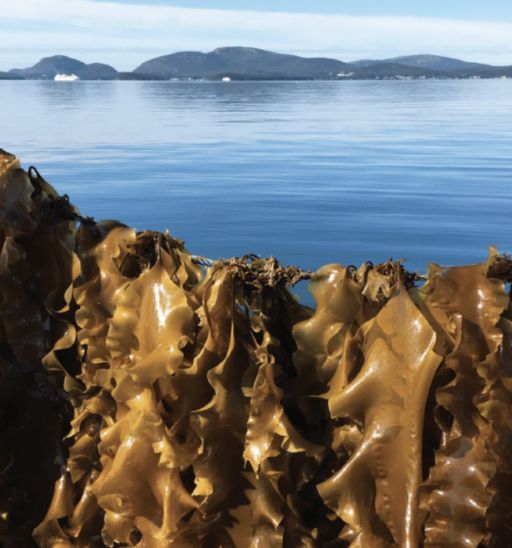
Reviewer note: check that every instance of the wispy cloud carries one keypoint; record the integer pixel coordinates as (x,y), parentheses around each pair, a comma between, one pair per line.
(127,34)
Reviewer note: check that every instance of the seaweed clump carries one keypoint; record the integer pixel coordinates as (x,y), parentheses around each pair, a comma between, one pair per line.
(149,397)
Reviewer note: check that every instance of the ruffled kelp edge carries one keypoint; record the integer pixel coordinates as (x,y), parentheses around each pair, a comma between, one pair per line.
(149,397)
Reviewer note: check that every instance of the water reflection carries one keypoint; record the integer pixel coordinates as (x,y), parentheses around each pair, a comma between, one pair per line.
(313,172)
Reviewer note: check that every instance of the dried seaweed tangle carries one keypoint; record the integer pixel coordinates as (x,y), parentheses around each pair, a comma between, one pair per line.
(151,398)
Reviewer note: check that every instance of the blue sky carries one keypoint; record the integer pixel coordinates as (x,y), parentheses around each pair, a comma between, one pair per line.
(125,33)
(490,10)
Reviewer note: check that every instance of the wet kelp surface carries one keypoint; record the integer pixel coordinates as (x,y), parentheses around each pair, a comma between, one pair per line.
(151,398)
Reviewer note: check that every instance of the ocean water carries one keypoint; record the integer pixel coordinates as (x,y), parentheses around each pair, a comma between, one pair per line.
(310,172)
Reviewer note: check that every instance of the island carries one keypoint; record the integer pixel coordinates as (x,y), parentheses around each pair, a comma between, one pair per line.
(244,63)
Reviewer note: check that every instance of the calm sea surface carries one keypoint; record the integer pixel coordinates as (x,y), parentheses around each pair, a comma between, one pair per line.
(310,172)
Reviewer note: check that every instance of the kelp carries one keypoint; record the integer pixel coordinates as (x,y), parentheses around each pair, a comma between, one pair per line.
(153,398)
(38,358)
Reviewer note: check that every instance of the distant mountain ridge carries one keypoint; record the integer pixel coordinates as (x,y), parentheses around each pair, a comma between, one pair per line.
(48,67)
(436,62)
(9,76)
(427,61)
(244,63)
(240,61)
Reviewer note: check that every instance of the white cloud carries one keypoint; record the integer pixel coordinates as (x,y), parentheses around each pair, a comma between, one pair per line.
(127,34)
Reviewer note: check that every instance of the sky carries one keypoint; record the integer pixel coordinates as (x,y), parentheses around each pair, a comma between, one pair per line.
(124,33)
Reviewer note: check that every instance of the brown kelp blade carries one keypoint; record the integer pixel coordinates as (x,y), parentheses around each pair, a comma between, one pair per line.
(153,398)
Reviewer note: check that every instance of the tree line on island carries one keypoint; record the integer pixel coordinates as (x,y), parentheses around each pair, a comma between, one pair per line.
(242,63)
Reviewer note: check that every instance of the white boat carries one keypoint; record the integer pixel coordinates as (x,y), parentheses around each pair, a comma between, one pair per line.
(226,79)
(66,78)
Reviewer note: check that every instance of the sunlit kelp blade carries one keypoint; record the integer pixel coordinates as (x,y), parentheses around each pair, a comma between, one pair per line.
(153,398)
